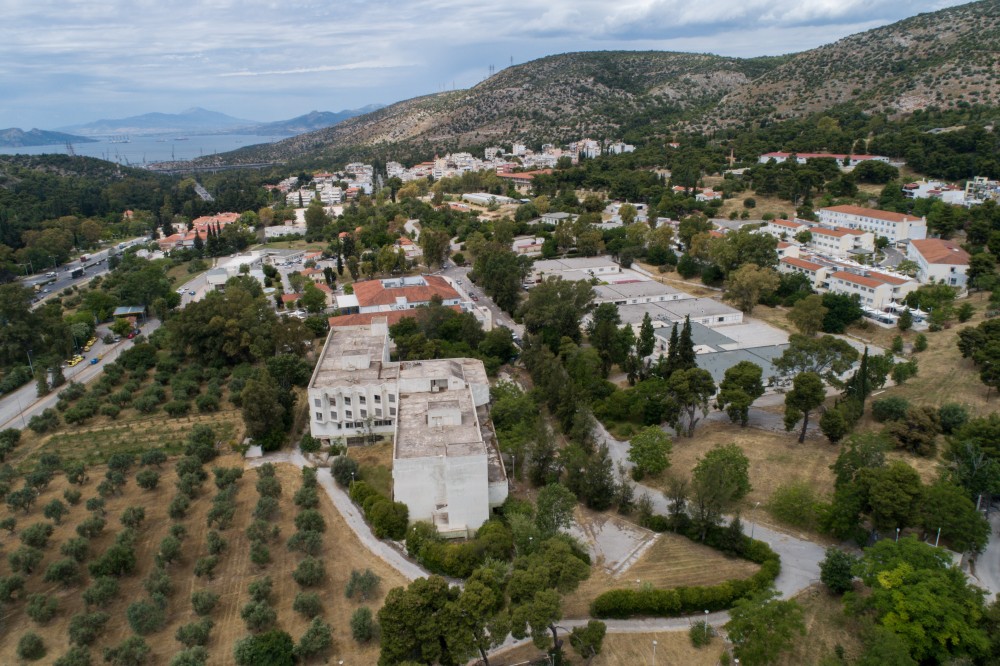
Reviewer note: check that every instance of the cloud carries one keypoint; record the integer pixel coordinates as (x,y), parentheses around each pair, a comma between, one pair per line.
(130,56)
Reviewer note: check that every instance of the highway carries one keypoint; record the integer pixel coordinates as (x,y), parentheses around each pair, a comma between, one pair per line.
(96,264)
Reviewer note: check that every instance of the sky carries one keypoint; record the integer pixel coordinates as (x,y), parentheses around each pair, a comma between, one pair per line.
(64,62)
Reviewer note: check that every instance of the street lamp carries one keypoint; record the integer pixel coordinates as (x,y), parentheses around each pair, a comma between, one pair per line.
(897,535)
(30,364)
(753,524)
(706,626)
(654,652)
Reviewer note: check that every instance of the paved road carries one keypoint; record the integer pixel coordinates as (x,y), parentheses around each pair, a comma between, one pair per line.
(458,276)
(988,564)
(17,407)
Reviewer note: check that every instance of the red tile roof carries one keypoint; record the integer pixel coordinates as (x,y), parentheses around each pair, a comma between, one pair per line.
(937,251)
(778,222)
(891,279)
(373,292)
(836,233)
(801,263)
(290,298)
(886,215)
(857,279)
(366,318)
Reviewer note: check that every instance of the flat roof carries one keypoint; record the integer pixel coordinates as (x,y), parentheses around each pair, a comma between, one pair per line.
(701,335)
(718,362)
(633,290)
(353,355)
(573,263)
(698,307)
(126,310)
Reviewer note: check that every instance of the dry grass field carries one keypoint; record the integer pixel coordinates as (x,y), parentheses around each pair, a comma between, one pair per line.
(673,649)
(827,626)
(344,552)
(672,561)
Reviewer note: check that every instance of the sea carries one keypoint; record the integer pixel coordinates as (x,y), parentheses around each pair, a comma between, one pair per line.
(146,149)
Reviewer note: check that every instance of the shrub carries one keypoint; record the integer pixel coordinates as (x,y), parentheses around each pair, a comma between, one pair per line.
(215,543)
(133,651)
(266,509)
(889,409)
(147,479)
(84,628)
(37,535)
(41,608)
(344,470)
(24,559)
(362,625)
(258,615)
(310,520)
(207,403)
(204,602)
(145,617)
(66,572)
(101,592)
(9,586)
(72,496)
(307,604)
(205,567)
(308,542)
(91,527)
(54,511)
(952,416)
(179,506)
(158,583)
(701,633)
(317,639)
(274,648)
(306,498)
(117,560)
(75,656)
(30,647)
(78,548)
(192,656)
(836,570)
(388,519)
(260,554)
(226,476)
(363,583)
(795,504)
(920,343)
(260,590)
(155,457)
(194,633)
(133,516)
(269,486)
(261,530)
(309,572)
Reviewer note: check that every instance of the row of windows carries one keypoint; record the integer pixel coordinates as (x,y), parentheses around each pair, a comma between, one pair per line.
(362,400)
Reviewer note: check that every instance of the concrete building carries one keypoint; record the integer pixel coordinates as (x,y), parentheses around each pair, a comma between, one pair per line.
(897,227)
(529,246)
(840,242)
(446,462)
(816,272)
(939,261)
(845,162)
(780,228)
(632,293)
(590,266)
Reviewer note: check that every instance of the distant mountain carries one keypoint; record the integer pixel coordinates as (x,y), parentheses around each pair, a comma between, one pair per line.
(945,59)
(15,137)
(310,122)
(192,121)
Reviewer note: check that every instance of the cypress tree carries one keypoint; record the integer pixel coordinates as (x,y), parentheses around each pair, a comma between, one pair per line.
(671,364)
(686,358)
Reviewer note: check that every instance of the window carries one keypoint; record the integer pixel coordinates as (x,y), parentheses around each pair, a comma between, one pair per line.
(318,402)
(392,411)
(319,416)
(378,398)
(364,413)
(333,416)
(392,397)
(347,400)
(349,414)
(333,402)
(362,400)
(378,411)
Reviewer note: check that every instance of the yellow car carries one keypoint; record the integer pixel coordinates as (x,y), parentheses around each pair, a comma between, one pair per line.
(86,348)
(73,362)
(91,342)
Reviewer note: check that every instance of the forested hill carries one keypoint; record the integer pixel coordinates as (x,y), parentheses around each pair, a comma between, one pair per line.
(555,99)
(941,59)
(945,59)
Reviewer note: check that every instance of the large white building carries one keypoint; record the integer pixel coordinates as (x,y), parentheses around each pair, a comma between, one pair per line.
(939,261)
(874,289)
(840,242)
(896,227)
(446,462)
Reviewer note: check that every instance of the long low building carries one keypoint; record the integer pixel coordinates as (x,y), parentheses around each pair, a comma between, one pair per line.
(446,461)
(874,289)
(640,291)
(706,311)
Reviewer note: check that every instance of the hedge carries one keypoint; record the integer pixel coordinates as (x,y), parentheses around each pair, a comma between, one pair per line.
(387,518)
(627,603)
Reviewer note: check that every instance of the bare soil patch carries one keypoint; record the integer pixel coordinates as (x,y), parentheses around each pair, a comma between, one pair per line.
(673,649)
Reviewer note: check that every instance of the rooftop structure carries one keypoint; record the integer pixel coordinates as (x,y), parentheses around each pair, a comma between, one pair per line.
(940,261)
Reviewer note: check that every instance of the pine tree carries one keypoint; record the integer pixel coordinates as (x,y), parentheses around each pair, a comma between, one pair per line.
(647,341)
(859,387)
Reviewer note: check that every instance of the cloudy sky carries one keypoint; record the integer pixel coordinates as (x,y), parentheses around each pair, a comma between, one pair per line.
(70,61)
